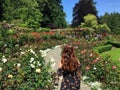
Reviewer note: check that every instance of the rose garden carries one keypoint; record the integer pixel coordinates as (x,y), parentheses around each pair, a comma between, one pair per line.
(22,51)
(30,29)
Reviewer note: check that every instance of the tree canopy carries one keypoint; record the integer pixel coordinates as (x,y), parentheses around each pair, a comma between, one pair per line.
(34,13)
(81,9)
(53,14)
(91,23)
(112,20)
(24,10)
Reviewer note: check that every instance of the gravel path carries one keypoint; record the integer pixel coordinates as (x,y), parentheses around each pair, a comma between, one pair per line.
(54,55)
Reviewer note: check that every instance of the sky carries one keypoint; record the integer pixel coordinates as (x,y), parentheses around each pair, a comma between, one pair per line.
(102,6)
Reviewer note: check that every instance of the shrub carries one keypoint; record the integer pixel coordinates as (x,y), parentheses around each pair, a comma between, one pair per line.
(1,44)
(46,37)
(104,48)
(114,43)
(43,30)
(11,41)
(18,22)
(10,32)
(54,36)
(26,72)
(96,68)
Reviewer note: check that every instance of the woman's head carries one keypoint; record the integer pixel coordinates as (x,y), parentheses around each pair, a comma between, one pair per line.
(69,59)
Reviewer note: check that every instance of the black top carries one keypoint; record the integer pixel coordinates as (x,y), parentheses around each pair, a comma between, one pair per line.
(71,80)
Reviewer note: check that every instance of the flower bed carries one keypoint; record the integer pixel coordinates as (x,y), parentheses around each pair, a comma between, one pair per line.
(27,70)
(97,68)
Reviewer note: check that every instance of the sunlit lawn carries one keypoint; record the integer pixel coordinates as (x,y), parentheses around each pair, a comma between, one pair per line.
(114,55)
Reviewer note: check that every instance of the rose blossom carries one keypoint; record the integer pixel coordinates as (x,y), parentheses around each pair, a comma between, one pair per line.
(38,70)
(114,67)
(87,68)
(33,66)
(4,59)
(95,60)
(10,76)
(82,52)
(18,64)
(91,55)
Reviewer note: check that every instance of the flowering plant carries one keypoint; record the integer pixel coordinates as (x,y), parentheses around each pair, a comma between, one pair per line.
(27,71)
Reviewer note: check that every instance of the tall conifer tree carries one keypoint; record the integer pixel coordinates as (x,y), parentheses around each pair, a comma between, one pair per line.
(81,9)
(53,14)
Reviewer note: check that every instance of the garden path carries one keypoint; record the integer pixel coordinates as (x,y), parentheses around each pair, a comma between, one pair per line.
(55,55)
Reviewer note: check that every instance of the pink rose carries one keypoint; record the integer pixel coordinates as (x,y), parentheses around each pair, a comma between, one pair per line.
(114,67)
(87,68)
(95,60)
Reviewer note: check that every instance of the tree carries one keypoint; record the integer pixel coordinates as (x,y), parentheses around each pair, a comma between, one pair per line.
(53,14)
(112,20)
(1,9)
(81,9)
(25,10)
(90,20)
(91,23)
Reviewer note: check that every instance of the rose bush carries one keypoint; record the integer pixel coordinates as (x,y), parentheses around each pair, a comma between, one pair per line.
(27,71)
(97,68)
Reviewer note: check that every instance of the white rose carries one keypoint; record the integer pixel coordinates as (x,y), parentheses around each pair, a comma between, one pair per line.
(10,76)
(4,60)
(94,68)
(18,65)
(31,59)
(33,66)
(22,53)
(38,70)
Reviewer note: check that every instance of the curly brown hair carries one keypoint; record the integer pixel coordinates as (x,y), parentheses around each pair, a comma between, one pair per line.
(69,60)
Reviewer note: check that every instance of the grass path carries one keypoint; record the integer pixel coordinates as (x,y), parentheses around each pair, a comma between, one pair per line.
(55,55)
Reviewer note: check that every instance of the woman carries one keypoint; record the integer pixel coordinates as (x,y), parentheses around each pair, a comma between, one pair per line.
(69,68)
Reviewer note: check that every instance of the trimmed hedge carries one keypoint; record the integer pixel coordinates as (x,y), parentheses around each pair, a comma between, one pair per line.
(55,36)
(113,43)
(104,48)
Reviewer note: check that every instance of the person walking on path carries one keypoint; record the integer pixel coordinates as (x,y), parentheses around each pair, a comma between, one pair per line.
(69,68)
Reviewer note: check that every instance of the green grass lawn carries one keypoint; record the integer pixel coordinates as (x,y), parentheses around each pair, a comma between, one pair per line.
(115,55)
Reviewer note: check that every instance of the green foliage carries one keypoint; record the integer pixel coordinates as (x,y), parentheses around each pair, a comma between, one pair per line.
(81,9)
(104,48)
(42,30)
(112,20)
(53,14)
(23,9)
(90,21)
(103,28)
(1,44)
(10,32)
(23,29)
(96,68)
(18,23)
(27,71)
(53,37)
(114,43)
(26,38)
(33,13)
(11,41)
(1,9)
